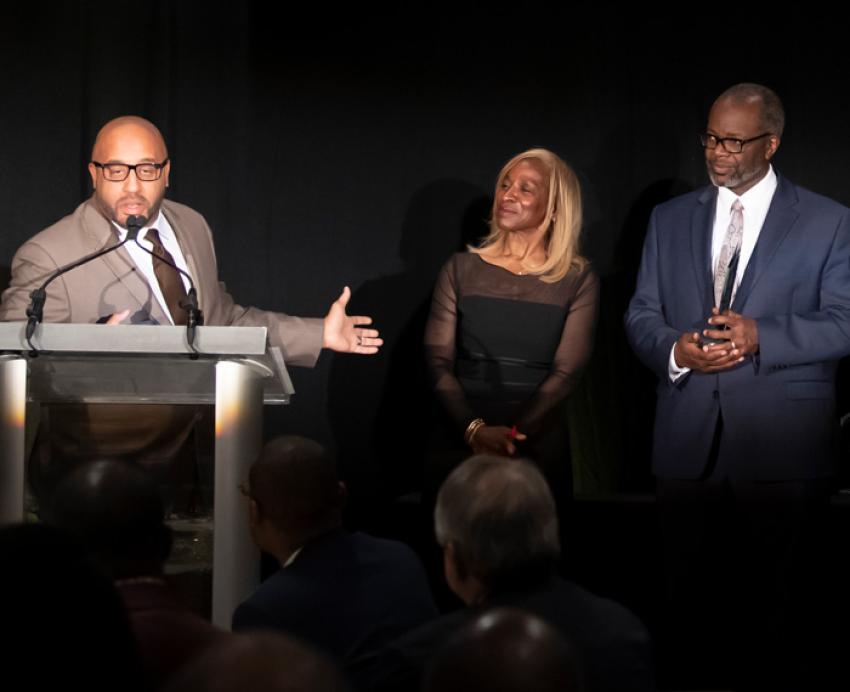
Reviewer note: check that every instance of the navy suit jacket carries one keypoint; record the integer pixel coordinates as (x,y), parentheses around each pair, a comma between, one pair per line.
(777,407)
(613,646)
(346,593)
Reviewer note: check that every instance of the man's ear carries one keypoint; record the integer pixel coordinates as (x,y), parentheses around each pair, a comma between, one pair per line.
(460,581)
(255,513)
(454,562)
(773,145)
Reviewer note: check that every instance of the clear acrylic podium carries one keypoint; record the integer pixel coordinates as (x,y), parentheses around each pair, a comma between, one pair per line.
(86,363)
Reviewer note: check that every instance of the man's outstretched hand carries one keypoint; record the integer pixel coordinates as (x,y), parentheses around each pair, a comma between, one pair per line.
(345,333)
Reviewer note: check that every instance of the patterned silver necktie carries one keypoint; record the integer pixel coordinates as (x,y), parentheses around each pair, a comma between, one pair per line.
(731,244)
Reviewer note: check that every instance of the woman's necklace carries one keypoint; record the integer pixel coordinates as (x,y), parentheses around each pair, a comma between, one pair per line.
(516,266)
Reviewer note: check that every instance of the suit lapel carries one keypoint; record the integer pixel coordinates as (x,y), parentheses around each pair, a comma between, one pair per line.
(702,222)
(101,233)
(780,218)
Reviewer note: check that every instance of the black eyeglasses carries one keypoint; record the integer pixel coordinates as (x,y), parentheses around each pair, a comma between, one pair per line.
(116,172)
(731,144)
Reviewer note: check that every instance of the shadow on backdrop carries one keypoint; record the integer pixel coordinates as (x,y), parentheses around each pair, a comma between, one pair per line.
(382,409)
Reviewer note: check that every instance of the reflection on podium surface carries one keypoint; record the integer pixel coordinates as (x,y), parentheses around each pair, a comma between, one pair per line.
(189,567)
(185,485)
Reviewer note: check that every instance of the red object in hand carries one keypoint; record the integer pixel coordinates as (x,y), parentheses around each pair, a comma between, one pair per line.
(512,434)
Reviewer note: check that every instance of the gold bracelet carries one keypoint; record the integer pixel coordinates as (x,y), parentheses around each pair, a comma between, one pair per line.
(471,429)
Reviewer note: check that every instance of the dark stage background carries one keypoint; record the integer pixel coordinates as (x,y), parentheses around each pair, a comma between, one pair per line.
(328,150)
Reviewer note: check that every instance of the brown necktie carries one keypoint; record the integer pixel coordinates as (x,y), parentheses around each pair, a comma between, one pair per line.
(170,281)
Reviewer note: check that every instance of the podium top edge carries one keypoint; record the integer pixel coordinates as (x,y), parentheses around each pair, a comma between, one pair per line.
(133,339)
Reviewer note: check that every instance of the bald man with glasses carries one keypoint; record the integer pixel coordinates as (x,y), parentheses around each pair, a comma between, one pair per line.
(130,169)
(742,309)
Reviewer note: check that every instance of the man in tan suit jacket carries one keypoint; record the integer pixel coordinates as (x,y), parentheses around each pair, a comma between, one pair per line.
(114,289)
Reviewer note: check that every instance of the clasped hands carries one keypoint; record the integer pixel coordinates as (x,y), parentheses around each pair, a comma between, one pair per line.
(495,439)
(740,339)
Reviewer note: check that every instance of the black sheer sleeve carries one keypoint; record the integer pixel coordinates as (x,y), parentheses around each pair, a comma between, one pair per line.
(440,337)
(571,357)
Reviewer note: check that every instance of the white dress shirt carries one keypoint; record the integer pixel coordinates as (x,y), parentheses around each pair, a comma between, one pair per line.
(756,203)
(144,262)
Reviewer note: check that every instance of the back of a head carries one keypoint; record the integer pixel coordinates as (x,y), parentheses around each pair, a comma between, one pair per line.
(295,483)
(115,510)
(505,650)
(64,623)
(500,517)
(259,661)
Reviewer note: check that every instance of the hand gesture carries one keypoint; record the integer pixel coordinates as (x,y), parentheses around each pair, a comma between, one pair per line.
(344,333)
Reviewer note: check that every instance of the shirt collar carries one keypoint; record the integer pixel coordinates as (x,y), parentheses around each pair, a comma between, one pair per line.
(160,223)
(292,557)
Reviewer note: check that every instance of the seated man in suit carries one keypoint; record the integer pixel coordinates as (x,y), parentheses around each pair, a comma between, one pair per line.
(130,169)
(498,527)
(346,593)
(114,509)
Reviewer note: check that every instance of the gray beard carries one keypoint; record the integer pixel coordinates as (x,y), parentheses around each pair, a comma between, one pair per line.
(731,181)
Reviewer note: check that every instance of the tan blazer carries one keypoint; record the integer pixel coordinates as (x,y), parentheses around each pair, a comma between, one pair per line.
(111,283)
(152,435)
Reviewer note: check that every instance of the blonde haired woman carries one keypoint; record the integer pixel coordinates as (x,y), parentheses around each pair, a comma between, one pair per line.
(512,321)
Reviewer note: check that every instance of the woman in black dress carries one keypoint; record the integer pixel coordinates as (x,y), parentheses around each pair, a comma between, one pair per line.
(512,321)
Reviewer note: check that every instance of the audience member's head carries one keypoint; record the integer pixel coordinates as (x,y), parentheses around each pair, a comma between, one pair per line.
(115,510)
(295,495)
(259,661)
(64,623)
(496,521)
(505,650)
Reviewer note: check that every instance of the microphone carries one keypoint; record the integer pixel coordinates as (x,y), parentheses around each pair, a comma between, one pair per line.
(135,223)
(194,316)
(35,311)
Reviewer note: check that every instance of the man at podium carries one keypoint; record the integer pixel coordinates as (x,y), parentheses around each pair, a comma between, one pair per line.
(144,282)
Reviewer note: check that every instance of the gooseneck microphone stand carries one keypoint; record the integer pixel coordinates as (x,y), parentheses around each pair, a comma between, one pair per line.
(35,311)
(194,316)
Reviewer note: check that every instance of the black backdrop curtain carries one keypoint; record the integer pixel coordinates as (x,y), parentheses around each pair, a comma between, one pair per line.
(327,150)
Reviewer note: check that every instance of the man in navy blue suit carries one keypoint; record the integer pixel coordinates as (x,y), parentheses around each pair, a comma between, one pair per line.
(345,593)
(745,423)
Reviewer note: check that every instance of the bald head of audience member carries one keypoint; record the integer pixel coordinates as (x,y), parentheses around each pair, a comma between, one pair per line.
(129,141)
(115,510)
(505,650)
(259,661)
(496,521)
(295,495)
